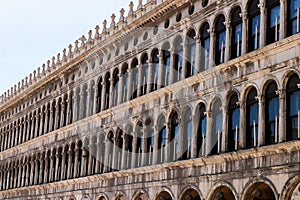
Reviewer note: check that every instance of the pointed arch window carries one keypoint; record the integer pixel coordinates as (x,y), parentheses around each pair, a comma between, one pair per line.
(216,134)
(167,65)
(178,59)
(273,21)
(115,86)
(162,139)
(236,37)
(135,78)
(107,91)
(187,135)
(293,108)
(272,114)
(201,132)
(252,119)
(144,78)
(220,30)
(174,137)
(155,70)
(253,26)
(233,123)
(99,95)
(205,47)
(293,16)
(191,54)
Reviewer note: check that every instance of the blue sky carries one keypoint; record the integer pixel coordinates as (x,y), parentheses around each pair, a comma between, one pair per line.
(32,31)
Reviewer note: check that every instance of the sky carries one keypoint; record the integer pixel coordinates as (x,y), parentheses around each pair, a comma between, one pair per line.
(32,31)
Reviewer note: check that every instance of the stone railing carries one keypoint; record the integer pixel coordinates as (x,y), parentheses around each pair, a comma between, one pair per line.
(81,45)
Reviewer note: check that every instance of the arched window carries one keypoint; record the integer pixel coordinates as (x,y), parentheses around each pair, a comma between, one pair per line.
(252,119)
(107,91)
(135,78)
(205,47)
(191,54)
(178,59)
(201,132)
(174,137)
(162,139)
(139,144)
(125,83)
(167,65)
(148,154)
(273,21)
(187,134)
(253,25)
(115,86)
(293,17)
(216,134)
(272,114)
(236,37)
(99,95)
(220,40)
(155,70)
(233,123)
(293,108)
(144,78)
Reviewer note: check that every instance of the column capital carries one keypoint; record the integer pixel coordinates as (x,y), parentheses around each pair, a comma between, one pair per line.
(227,23)
(244,15)
(261,5)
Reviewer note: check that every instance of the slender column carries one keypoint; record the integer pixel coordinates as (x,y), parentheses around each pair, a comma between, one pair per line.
(23,174)
(115,155)
(283,14)
(36,133)
(31,177)
(46,122)
(261,119)
(75,109)
(28,127)
(88,102)
(244,16)
(81,105)
(282,116)
(70,158)
(150,81)
(33,117)
(51,119)
(51,170)
(212,49)
(125,153)
(129,71)
(42,123)
(42,169)
(155,150)
(168,156)
(75,172)
(263,21)
(195,120)
(242,125)
(94,111)
(62,114)
(57,114)
(62,166)
(111,92)
(15,177)
(160,70)
(19,177)
(172,75)
(198,54)
(91,156)
(83,162)
(69,108)
(134,153)
(224,143)
(47,170)
(140,81)
(120,89)
(184,59)
(36,171)
(27,175)
(18,134)
(227,24)
(56,170)
(209,145)
(103,98)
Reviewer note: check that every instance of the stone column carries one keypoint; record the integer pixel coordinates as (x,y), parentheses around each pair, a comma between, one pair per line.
(51,119)
(37,124)
(19,178)
(114,155)
(57,166)
(88,102)
(261,120)
(70,169)
(31,176)
(32,126)
(244,16)
(184,59)
(83,162)
(282,116)
(81,105)
(120,90)
(111,92)
(212,48)
(75,110)
(283,14)
(103,98)
(134,153)
(94,111)
(140,81)
(168,156)
(98,159)
(155,150)
(91,158)
(69,113)
(160,70)
(198,55)
(52,168)
(124,154)
(129,84)
(42,169)
(242,125)
(224,144)
(46,122)
(63,166)
(57,116)
(209,145)
(75,172)
(27,175)
(263,22)
(46,173)
(172,74)
(150,81)
(42,123)
(227,24)
(23,174)
(195,138)
(62,113)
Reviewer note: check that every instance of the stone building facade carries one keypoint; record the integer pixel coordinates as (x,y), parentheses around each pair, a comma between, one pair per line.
(178,99)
